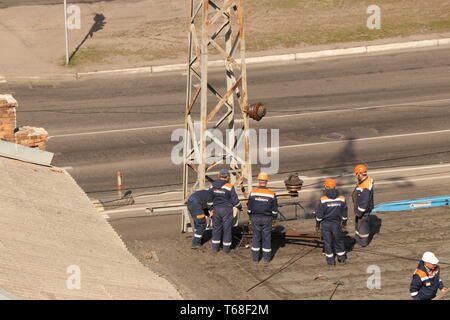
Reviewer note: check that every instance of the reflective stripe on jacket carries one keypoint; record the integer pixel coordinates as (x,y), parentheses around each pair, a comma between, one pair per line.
(363,196)
(425,283)
(262,201)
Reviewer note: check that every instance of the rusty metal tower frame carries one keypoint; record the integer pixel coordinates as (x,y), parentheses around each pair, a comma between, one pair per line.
(216,25)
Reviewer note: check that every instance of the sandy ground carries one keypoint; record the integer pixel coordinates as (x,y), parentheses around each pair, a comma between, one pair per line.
(202,274)
(152,32)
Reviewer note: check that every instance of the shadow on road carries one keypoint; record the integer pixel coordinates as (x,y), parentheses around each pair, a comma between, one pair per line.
(99,23)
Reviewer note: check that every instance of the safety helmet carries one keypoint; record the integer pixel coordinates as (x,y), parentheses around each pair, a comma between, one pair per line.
(429,257)
(360,168)
(330,183)
(224,173)
(263,176)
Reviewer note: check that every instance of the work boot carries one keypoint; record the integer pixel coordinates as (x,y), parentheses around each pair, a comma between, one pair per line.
(331,261)
(266,261)
(196,244)
(342,259)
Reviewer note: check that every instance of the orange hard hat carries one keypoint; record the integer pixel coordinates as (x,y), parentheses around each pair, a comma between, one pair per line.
(360,168)
(263,176)
(330,183)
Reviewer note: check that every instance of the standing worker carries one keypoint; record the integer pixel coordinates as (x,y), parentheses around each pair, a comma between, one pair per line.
(198,208)
(363,204)
(262,207)
(332,217)
(224,198)
(426,279)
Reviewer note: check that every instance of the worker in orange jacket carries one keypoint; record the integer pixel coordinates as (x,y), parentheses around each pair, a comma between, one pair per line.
(363,204)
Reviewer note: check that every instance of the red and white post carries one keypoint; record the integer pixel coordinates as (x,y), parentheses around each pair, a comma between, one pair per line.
(119,184)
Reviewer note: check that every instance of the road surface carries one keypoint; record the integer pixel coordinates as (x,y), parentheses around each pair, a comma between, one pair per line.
(386,110)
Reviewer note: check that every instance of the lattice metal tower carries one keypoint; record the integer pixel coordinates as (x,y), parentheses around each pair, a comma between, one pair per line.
(216,26)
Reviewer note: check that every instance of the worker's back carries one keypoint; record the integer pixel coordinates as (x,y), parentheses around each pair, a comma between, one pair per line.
(332,207)
(223,194)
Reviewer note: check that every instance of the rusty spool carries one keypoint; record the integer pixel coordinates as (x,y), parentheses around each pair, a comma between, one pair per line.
(293,184)
(257,111)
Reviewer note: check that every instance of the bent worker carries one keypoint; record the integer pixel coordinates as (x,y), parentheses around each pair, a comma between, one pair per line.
(224,198)
(426,279)
(331,217)
(262,208)
(198,208)
(363,204)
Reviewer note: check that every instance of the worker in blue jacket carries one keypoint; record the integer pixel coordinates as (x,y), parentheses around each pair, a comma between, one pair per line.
(363,204)
(262,208)
(426,279)
(224,198)
(198,208)
(331,217)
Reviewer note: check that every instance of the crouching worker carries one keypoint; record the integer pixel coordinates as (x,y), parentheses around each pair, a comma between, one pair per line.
(426,279)
(198,208)
(262,207)
(332,217)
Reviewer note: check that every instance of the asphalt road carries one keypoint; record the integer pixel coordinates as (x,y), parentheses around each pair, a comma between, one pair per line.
(16,3)
(386,110)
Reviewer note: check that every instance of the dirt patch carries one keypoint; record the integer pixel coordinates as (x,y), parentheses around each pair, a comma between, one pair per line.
(399,240)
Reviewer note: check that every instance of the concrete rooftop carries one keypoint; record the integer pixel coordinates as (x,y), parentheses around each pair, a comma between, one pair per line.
(47,224)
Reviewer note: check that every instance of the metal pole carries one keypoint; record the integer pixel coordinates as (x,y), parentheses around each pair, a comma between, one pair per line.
(187,136)
(204,96)
(230,82)
(66,32)
(247,168)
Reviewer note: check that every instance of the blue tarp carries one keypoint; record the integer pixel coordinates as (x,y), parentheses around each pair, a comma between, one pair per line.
(403,205)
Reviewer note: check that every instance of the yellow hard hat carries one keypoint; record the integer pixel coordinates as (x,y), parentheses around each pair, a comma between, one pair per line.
(263,176)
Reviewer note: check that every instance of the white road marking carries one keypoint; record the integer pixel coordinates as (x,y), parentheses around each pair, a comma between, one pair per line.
(355,140)
(374,172)
(2,79)
(377,183)
(354,109)
(240,120)
(113,131)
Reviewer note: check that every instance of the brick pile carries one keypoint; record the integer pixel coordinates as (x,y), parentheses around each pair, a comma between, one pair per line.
(27,136)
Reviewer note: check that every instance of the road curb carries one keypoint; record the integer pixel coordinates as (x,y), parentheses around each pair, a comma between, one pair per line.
(289,57)
(253,60)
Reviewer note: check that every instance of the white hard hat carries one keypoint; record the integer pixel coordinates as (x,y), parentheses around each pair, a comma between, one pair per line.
(429,257)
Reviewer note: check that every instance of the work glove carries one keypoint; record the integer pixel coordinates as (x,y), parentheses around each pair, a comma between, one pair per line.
(344,226)
(274,216)
(317,226)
